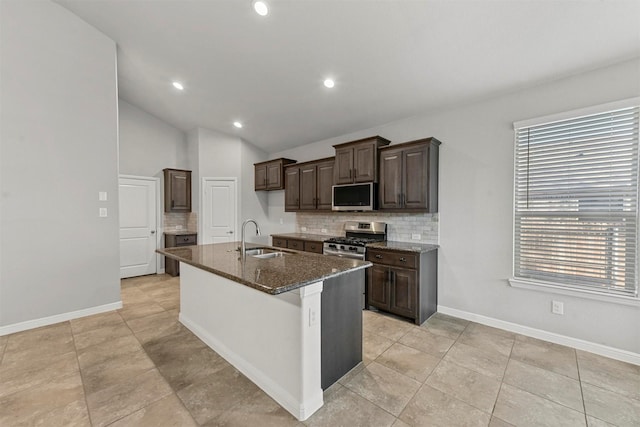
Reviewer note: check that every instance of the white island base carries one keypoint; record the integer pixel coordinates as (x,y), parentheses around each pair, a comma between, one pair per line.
(272,339)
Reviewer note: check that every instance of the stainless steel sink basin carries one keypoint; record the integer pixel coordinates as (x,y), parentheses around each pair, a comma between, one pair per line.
(264,253)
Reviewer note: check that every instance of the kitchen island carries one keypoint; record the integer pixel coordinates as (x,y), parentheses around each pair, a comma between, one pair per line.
(290,322)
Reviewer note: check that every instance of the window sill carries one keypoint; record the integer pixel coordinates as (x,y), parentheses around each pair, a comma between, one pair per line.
(587,294)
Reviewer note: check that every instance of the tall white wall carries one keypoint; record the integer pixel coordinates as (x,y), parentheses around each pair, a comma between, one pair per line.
(148,144)
(59,148)
(216,154)
(476,205)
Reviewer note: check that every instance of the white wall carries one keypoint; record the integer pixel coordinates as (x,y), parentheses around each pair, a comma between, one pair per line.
(59,148)
(148,144)
(216,154)
(475,205)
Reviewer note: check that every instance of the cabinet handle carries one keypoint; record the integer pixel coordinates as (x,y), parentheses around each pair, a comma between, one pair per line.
(355,173)
(173,202)
(350,171)
(403,259)
(378,256)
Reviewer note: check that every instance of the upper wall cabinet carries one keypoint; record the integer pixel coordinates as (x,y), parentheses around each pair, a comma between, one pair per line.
(177,190)
(308,185)
(409,176)
(269,175)
(357,161)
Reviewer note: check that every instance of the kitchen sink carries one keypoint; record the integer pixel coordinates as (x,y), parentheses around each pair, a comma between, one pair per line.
(264,253)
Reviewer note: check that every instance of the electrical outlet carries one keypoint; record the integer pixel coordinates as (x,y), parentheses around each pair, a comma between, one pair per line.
(313,318)
(557,307)
(281,221)
(416,236)
(324,230)
(102,196)
(178,227)
(303,228)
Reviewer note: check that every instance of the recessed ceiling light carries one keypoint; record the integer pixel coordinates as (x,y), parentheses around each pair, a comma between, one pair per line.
(237,124)
(260,6)
(178,85)
(329,83)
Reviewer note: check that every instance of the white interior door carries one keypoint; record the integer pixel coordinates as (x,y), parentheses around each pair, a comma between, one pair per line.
(138,219)
(219,210)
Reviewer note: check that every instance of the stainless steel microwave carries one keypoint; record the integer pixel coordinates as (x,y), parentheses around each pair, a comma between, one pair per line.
(354,197)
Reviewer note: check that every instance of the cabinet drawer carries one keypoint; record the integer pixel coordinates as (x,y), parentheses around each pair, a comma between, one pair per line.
(313,247)
(281,243)
(396,259)
(298,245)
(187,240)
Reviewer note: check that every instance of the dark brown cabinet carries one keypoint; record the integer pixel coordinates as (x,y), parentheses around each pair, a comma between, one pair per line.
(357,161)
(177,190)
(269,175)
(171,266)
(403,283)
(409,176)
(291,188)
(298,244)
(308,185)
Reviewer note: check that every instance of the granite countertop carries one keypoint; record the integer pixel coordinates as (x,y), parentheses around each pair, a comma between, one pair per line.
(403,246)
(179,232)
(305,236)
(272,275)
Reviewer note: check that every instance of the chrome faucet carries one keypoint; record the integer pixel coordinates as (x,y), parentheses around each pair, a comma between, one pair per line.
(243,249)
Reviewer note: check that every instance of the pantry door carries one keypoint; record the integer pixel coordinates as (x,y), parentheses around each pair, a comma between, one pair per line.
(138,199)
(219,210)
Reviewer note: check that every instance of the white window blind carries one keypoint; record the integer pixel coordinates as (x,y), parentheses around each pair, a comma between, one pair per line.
(576,202)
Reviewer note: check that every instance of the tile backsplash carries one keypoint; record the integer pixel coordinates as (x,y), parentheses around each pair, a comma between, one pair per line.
(400,226)
(180,221)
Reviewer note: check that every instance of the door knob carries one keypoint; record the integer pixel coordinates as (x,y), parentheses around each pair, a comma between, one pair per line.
(153,231)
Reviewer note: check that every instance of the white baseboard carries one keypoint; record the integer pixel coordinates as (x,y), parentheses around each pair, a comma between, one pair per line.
(602,350)
(46,321)
(302,411)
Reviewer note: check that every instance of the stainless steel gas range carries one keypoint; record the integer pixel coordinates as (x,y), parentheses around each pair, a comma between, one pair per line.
(358,234)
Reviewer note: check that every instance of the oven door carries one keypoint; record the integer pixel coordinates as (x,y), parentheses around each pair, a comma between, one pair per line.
(333,252)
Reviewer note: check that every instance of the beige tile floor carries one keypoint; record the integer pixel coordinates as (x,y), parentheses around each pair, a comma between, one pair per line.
(139,367)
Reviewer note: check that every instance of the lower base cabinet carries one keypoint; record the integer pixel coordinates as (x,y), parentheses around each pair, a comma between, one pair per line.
(410,291)
(171,266)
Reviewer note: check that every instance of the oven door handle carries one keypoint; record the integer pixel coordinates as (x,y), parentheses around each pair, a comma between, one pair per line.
(342,254)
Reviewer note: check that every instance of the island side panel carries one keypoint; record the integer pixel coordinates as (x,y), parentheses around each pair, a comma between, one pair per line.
(341,325)
(269,338)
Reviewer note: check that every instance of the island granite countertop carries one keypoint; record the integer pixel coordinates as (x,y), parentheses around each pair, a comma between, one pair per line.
(273,275)
(403,246)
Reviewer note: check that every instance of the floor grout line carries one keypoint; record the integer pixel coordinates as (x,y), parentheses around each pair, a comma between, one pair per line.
(84,389)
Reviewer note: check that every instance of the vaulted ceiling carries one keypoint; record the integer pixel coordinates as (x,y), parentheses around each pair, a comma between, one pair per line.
(389,59)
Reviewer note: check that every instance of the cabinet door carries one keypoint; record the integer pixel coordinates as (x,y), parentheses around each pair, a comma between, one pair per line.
(364,162)
(324,183)
(298,245)
(390,186)
(343,171)
(274,175)
(404,292)
(260,177)
(308,187)
(292,189)
(415,178)
(378,287)
(279,242)
(177,191)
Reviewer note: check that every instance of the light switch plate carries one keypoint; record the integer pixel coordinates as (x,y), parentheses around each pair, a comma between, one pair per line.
(102,196)
(103,212)
(303,228)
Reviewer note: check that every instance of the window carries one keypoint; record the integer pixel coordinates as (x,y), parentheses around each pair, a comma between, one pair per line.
(576,200)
